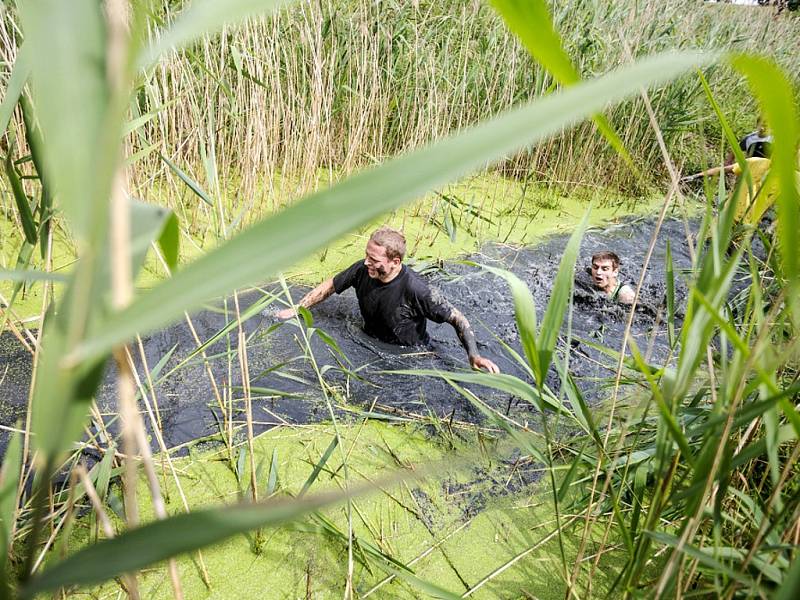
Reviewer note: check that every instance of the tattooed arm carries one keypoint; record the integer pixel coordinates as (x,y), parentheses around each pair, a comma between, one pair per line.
(467,337)
(315,296)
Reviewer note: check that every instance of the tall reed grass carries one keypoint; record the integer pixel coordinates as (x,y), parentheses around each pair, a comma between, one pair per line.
(327,86)
(253,115)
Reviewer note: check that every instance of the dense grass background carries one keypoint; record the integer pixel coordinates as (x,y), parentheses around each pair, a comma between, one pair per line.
(254,114)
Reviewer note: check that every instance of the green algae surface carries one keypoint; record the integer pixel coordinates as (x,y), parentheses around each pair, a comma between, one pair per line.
(457,527)
(459,219)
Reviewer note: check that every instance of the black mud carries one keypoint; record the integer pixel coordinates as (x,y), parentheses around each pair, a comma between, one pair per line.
(286,388)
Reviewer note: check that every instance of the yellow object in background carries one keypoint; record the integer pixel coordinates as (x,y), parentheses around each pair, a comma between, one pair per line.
(754,197)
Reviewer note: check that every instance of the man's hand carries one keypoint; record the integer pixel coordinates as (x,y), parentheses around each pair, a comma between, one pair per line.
(478,363)
(286,313)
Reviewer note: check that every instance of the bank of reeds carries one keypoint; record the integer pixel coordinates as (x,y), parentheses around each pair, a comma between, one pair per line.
(256,113)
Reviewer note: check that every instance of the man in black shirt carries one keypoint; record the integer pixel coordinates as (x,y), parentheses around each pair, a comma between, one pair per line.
(395,302)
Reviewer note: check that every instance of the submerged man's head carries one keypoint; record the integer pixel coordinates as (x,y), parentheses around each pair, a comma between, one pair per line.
(384,254)
(605,269)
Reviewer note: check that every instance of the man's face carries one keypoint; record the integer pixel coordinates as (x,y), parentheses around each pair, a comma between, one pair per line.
(378,264)
(604,274)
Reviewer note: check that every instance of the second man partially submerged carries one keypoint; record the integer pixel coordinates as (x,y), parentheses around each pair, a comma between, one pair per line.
(605,276)
(395,301)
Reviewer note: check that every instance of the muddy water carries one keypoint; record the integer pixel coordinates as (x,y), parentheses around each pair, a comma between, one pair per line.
(286,388)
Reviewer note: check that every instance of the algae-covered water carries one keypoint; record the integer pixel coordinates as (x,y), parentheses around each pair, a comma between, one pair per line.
(453,528)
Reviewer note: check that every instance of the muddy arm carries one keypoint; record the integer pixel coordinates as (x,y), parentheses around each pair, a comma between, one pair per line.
(467,337)
(315,296)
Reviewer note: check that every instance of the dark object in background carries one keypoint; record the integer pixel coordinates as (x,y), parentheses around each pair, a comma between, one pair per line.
(781,4)
(757,144)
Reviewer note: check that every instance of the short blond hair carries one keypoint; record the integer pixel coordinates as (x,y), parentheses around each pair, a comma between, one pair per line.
(391,240)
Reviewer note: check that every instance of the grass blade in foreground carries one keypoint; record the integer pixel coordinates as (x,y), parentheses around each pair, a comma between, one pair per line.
(496,381)
(531,21)
(23,205)
(31,275)
(157,541)
(68,78)
(16,82)
(9,480)
(559,299)
(279,242)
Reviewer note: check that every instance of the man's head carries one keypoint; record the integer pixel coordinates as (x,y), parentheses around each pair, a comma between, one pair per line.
(761,126)
(605,268)
(384,255)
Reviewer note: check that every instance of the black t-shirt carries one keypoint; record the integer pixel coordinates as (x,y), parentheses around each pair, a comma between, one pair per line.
(394,312)
(756,145)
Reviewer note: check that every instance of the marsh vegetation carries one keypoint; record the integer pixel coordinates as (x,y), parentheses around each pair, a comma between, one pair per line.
(169,168)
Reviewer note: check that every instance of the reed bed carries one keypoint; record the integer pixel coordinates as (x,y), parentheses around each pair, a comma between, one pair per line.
(330,87)
(279,106)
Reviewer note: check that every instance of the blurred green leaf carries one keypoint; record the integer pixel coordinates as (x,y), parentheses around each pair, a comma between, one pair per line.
(23,264)
(150,223)
(19,75)
(157,541)
(23,204)
(61,395)
(68,73)
(62,392)
(790,588)
(9,483)
(26,276)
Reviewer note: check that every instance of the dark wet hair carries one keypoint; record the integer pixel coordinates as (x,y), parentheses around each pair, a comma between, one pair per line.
(607,255)
(391,240)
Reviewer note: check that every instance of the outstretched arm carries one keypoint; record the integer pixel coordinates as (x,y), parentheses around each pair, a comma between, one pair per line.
(467,337)
(709,172)
(315,296)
